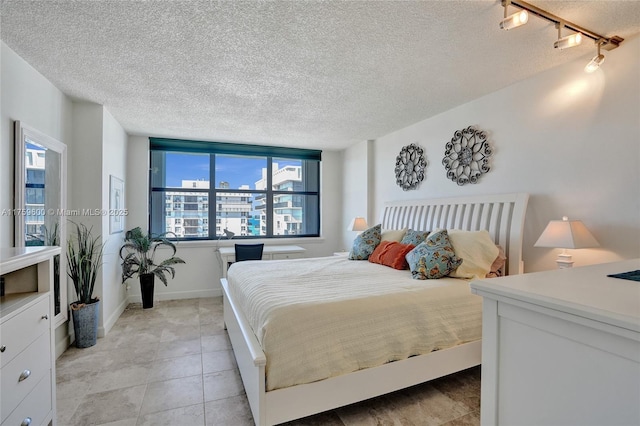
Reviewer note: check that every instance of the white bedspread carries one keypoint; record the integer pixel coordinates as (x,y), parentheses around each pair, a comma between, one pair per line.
(323,317)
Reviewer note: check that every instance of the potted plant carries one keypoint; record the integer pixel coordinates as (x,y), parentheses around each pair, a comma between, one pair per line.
(84,259)
(138,258)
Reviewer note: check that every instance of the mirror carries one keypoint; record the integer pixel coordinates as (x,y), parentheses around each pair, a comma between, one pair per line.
(40,201)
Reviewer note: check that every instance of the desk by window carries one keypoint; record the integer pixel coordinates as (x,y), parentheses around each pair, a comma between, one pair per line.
(274,252)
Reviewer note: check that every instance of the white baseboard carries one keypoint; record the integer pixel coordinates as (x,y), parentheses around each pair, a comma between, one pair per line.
(110,322)
(174,295)
(62,345)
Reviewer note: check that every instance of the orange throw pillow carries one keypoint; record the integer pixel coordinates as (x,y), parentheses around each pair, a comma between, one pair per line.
(392,254)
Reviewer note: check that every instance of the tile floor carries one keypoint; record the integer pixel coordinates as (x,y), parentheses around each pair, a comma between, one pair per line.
(173,365)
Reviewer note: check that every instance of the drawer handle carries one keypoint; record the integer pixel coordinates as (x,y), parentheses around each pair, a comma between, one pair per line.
(45,317)
(26,422)
(3,348)
(25,374)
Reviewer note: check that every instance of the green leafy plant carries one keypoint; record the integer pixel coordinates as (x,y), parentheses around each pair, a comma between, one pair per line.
(51,235)
(84,259)
(138,255)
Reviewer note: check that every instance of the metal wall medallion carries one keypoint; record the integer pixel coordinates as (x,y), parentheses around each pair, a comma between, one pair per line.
(410,167)
(467,156)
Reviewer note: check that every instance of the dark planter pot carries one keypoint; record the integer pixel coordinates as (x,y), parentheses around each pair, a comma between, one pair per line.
(146,288)
(85,323)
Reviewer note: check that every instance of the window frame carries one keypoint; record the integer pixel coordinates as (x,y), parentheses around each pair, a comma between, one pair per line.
(214,149)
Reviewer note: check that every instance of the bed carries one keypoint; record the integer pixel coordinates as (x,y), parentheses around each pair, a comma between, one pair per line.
(273,399)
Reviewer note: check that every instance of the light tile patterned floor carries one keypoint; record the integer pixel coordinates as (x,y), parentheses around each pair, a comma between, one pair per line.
(173,365)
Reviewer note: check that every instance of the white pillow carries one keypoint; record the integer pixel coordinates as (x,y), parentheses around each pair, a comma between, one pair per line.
(393,234)
(477,250)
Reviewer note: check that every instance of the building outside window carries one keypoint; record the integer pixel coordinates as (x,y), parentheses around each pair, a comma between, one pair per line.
(34,195)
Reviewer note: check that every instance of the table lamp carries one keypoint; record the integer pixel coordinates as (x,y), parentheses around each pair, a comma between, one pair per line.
(358,224)
(566,234)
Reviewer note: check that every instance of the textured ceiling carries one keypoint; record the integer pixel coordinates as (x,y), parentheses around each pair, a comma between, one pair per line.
(292,73)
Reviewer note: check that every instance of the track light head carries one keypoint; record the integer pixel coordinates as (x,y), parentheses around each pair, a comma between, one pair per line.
(513,21)
(569,41)
(596,61)
(594,64)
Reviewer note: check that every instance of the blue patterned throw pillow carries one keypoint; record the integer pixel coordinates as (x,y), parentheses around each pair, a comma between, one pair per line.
(433,258)
(414,237)
(365,243)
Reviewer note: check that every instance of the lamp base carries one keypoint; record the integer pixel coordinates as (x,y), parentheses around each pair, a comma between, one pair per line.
(564,261)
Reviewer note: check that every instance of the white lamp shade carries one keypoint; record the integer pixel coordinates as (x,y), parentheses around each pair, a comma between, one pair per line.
(566,234)
(357,224)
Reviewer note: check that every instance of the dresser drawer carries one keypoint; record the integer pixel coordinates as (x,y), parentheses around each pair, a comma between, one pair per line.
(21,330)
(36,360)
(281,256)
(36,406)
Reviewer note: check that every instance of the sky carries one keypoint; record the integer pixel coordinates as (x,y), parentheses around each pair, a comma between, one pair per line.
(237,171)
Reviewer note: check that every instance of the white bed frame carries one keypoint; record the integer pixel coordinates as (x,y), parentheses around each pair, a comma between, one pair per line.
(502,215)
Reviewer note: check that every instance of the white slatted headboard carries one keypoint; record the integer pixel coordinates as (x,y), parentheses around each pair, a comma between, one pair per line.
(502,215)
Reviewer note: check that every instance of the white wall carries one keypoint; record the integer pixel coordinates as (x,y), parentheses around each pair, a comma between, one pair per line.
(85,182)
(98,151)
(114,160)
(29,97)
(200,277)
(570,139)
(357,190)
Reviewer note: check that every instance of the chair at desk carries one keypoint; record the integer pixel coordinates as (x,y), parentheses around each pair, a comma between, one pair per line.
(248,252)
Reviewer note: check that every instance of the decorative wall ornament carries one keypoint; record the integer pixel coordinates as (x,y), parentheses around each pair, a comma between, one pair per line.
(410,167)
(466,157)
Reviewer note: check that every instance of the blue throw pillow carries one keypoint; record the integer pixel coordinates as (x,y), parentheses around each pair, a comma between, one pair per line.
(414,237)
(433,258)
(365,243)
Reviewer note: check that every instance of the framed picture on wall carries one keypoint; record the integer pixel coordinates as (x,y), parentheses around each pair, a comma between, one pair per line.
(117,211)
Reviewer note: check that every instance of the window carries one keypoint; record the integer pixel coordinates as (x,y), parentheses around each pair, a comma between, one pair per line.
(259,192)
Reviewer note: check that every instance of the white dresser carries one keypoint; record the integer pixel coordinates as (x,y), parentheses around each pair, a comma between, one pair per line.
(27,355)
(561,347)
(228,254)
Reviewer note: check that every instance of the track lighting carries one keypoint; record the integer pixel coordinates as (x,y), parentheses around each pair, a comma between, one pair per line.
(579,33)
(515,20)
(597,60)
(569,41)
